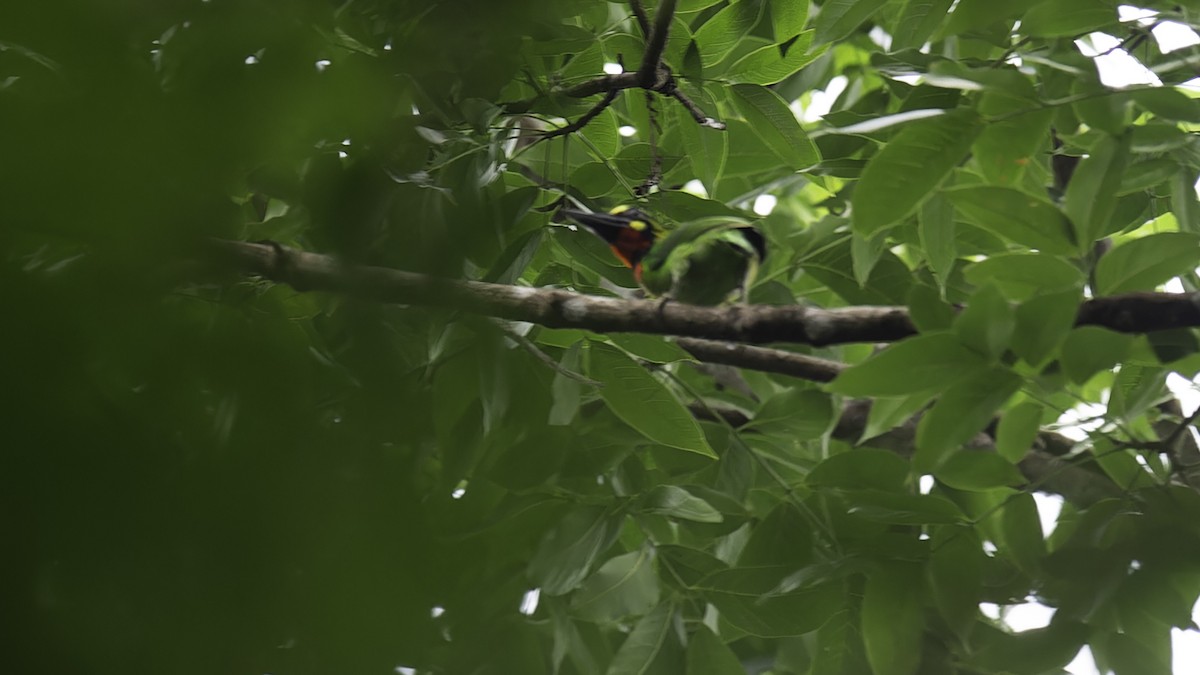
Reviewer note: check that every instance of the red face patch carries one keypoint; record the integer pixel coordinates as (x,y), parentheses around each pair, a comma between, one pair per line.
(631,246)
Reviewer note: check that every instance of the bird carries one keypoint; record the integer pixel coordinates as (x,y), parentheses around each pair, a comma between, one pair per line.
(708,261)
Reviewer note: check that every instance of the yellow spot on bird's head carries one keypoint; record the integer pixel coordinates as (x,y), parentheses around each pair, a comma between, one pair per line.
(636,216)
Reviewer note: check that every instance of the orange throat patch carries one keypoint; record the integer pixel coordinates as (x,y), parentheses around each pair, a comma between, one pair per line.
(630,246)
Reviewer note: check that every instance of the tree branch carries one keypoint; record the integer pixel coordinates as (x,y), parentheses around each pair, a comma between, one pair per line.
(1045,466)
(639,13)
(761,358)
(563,309)
(1129,313)
(656,42)
(652,75)
(583,120)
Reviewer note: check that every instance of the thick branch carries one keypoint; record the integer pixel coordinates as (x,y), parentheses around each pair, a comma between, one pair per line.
(1141,312)
(563,309)
(647,73)
(1130,313)
(1042,466)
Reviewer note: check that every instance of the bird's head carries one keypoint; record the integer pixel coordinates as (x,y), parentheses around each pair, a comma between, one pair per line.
(627,229)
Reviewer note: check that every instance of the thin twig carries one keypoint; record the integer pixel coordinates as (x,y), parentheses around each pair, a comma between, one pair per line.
(696,112)
(756,358)
(655,175)
(640,13)
(585,118)
(538,354)
(1169,442)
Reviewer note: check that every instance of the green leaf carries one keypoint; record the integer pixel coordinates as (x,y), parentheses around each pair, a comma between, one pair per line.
(917,21)
(1090,349)
(773,122)
(976,470)
(720,34)
(566,391)
(642,402)
(1012,142)
(788,18)
(955,575)
(1014,215)
(911,165)
(799,413)
(902,509)
(1146,174)
(893,622)
(987,324)
(865,252)
(935,223)
(706,148)
(782,539)
(940,359)
(839,17)
(1129,656)
(745,599)
(833,265)
(687,565)
(623,586)
(1135,389)
(961,412)
(652,348)
(770,64)
(675,502)
(694,5)
(1043,323)
(1021,528)
(1168,103)
(861,468)
(602,132)
(1041,650)
(1092,193)
(1143,264)
(1100,107)
(1121,466)
(707,655)
(649,642)
(970,15)
(1184,204)
(585,64)
(567,551)
(887,413)
(1066,18)
(928,311)
(1018,429)
(838,647)
(1020,276)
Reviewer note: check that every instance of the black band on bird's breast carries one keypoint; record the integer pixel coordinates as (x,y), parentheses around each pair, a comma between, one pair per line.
(756,239)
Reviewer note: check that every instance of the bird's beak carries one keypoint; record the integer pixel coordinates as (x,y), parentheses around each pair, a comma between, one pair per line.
(594,220)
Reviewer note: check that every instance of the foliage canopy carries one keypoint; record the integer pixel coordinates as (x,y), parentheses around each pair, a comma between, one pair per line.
(212,473)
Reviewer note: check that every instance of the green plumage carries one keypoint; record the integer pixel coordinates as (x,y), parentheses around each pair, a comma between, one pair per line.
(704,262)
(709,261)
